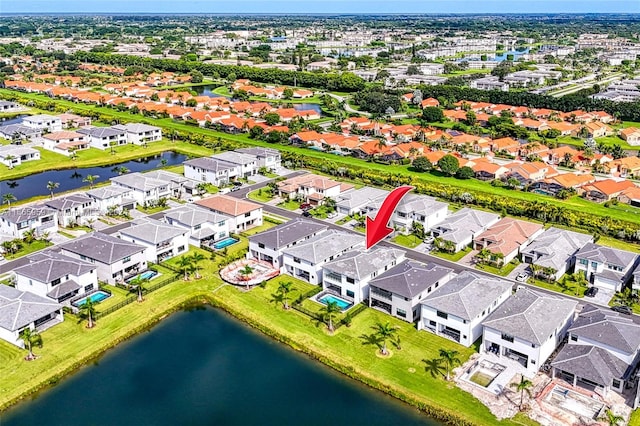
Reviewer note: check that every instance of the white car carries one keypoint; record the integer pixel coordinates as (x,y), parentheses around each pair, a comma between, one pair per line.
(522,277)
(332,215)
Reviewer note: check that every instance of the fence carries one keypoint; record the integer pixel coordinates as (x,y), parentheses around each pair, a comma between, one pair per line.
(346,320)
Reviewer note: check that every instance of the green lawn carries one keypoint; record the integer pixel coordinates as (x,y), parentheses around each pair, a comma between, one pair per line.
(409,241)
(260,195)
(28,249)
(503,272)
(151,210)
(569,288)
(452,257)
(289,205)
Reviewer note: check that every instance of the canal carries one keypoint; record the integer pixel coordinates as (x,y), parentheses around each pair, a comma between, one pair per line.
(202,367)
(70,179)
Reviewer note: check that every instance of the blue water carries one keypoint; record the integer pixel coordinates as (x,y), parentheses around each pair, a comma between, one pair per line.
(96,297)
(224,243)
(342,304)
(516,54)
(303,107)
(145,275)
(13,120)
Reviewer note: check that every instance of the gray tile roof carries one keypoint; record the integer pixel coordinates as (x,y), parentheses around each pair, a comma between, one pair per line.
(465,223)
(555,246)
(591,363)
(467,295)
(325,245)
(410,278)
(136,128)
(360,264)
(607,327)
(20,308)
(20,214)
(16,150)
(287,233)
(166,176)
(49,265)
(101,132)
(210,164)
(259,152)
(69,202)
(191,215)
(360,197)
(139,181)
(606,255)
(235,157)
(42,117)
(530,315)
(11,129)
(420,204)
(63,289)
(102,247)
(107,192)
(152,231)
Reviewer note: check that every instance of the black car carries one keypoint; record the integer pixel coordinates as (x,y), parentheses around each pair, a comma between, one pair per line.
(622,309)
(306,213)
(591,292)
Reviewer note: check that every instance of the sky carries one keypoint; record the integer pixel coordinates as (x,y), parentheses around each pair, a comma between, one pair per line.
(319,6)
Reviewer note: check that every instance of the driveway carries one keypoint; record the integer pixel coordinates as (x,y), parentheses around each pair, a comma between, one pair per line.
(468,261)
(603,297)
(522,267)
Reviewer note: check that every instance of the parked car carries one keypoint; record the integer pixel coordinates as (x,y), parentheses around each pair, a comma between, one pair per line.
(237,183)
(591,292)
(332,215)
(236,188)
(306,213)
(305,206)
(622,309)
(522,277)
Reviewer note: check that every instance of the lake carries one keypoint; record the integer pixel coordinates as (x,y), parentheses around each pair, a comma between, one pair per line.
(70,179)
(202,367)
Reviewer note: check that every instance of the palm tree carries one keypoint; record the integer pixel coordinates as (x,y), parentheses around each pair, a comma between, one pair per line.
(52,186)
(90,179)
(8,198)
(31,338)
(611,418)
(138,283)
(29,236)
(88,310)
(245,272)
(434,367)
(385,332)
(10,159)
(329,312)
(523,386)
(196,258)
(284,289)
(183,264)
(201,188)
(450,360)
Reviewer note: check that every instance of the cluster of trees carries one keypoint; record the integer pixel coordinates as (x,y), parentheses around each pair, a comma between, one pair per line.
(378,101)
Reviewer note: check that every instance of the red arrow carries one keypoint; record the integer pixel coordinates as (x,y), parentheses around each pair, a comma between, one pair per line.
(377,228)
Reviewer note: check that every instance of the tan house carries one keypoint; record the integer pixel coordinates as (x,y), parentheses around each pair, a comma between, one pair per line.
(506,238)
(631,135)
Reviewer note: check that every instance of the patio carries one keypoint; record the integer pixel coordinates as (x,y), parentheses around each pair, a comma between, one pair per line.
(248,272)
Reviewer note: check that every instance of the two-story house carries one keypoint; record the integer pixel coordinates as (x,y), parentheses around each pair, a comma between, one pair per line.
(266,157)
(38,218)
(311,188)
(144,189)
(248,164)
(162,241)
(357,200)
(528,327)
(269,245)
(74,209)
(211,170)
(457,309)
(112,198)
(427,211)
(203,226)
(400,290)
(460,228)
(506,238)
(116,260)
(242,214)
(605,267)
(139,133)
(349,275)
(104,137)
(45,122)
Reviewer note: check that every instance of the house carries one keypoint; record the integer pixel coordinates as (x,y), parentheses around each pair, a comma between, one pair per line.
(104,137)
(528,327)
(38,218)
(486,170)
(457,309)
(65,142)
(311,188)
(112,198)
(266,157)
(8,106)
(601,353)
(116,260)
(210,170)
(14,155)
(357,200)
(269,245)
(349,275)
(144,189)
(460,228)
(552,253)
(74,209)
(631,135)
(506,238)
(204,227)
(627,166)
(162,241)
(400,290)
(179,186)
(73,121)
(242,214)
(139,133)
(529,172)
(423,210)
(606,189)
(21,309)
(46,123)
(565,181)
(630,196)
(17,133)
(248,164)
(56,276)
(305,260)
(605,267)
(593,129)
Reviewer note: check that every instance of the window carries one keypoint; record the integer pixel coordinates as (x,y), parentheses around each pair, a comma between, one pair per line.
(197,227)
(507,337)
(296,260)
(350,280)
(88,288)
(126,259)
(30,282)
(401,313)
(442,314)
(55,282)
(181,248)
(261,245)
(584,262)
(533,362)
(594,264)
(350,293)
(616,383)
(432,323)
(247,214)
(573,338)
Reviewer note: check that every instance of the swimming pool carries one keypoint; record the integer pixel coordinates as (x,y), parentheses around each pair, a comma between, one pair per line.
(148,275)
(224,243)
(342,304)
(96,297)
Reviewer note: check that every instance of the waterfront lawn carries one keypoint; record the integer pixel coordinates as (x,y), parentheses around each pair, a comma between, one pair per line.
(452,257)
(260,195)
(410,241)
(28,249)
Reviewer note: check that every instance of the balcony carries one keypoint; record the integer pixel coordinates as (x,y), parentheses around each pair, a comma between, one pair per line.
(163,245)
(382,294)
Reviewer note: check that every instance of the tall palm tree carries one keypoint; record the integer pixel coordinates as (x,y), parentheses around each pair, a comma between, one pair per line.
(137,284)
(88,310)
(329,312)
(90,179)
(434,367)
(31,338)
(450,360)
(183,264)
(524,385)
(284,289)
(385,331)
(246,271)
(8,198)
(196,258)
(52,186)
(611,418)
(10,159)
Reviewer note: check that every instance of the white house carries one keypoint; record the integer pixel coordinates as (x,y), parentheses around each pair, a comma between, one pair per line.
(528,327)
(46,123)
(116,260)
(56,276)
(162,240)
(242,214)
(18,133)
(421,209)
(400,290)
(311,188)
(18,220)
(349,275)
(266,157)
(463,226)
(140,134)
(104,137)
(72,209)
(357,200)
(269,245)
(21,309)
(112,198)
(456,310)
(605,267)
(211,170)
(144,189)
(247,163)
(14,155)
(203,226)
(306,259)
